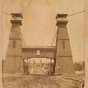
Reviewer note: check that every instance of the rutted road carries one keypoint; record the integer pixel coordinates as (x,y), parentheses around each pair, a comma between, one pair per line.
(41,81)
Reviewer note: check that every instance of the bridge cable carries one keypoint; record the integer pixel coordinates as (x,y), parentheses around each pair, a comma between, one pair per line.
(76,13)
(66,16)
(23,38)
(54,35)
(55,27)
(53,39)
(7,14)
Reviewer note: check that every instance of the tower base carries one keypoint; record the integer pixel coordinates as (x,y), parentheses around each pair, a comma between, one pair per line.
(64,65)
(13,65)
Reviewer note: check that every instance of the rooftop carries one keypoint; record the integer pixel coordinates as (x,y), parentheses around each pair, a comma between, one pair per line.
(61,15)
(17,14)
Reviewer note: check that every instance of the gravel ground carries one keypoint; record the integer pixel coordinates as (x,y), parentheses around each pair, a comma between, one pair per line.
(41,81)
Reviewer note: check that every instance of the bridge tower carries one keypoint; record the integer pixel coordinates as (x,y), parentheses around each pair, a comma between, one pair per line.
(64,62)
(13,62)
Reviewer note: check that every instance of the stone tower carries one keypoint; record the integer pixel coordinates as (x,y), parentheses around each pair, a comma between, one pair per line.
(64,62)
(13,62)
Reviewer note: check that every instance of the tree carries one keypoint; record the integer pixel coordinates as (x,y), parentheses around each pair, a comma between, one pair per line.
(79,66)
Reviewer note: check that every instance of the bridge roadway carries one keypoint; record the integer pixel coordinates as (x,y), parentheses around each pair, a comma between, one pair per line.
(38,70)
(41,81)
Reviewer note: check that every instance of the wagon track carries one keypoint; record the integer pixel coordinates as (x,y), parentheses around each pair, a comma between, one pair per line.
(40,81)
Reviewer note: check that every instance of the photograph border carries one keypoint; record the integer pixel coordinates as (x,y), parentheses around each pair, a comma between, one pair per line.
(86,43)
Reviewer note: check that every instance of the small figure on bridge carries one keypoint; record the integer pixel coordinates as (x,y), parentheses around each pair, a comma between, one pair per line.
(58,67)
(50,72)
(27,72)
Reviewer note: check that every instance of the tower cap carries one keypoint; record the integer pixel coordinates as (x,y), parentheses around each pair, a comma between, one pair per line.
(61,15)
(17,14)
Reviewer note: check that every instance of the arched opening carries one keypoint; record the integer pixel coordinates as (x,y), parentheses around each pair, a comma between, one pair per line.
(38,66)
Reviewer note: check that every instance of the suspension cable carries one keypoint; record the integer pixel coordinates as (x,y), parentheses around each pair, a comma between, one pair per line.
(76,13)
(23,38)
(55,26)
(67,16)
(54,36)
(7,14)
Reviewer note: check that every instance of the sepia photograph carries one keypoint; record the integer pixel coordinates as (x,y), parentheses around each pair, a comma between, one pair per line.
(43,44)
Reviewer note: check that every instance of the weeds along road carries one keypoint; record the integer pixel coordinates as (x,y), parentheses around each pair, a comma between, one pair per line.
(41,81)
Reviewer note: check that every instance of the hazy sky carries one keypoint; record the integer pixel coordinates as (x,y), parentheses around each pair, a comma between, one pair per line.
(39,22)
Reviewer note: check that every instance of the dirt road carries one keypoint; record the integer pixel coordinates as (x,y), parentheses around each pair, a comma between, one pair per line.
(41,81)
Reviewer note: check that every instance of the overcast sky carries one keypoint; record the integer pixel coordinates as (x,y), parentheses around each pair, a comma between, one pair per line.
(39,22)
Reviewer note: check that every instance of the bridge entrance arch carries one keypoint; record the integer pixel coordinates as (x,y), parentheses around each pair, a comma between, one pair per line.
(39,66)
(39,53)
